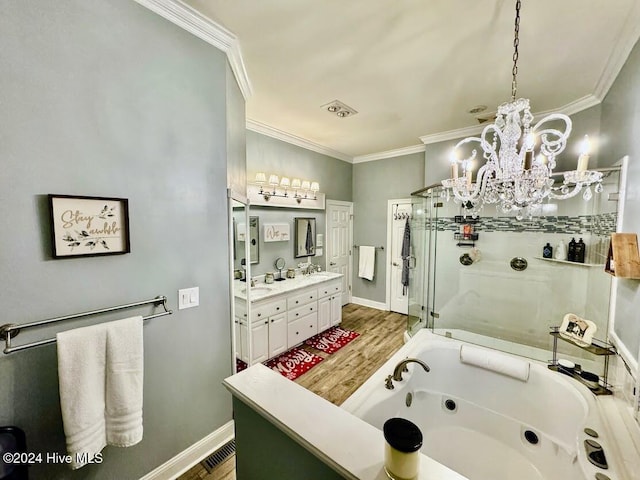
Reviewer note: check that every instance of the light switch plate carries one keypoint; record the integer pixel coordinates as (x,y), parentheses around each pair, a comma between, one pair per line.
(188,298)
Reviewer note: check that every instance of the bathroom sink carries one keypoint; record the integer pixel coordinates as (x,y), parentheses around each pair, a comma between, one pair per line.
(321,275)
(257,290)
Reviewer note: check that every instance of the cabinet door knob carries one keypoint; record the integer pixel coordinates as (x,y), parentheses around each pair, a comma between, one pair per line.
(259,314)
(297,314)
(311,297)
(277,308)
(311,308)
(266,322)
(297,333)
(297,301)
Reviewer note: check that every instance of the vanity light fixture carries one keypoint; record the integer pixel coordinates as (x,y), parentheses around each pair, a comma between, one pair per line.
(514,176)
(280,187)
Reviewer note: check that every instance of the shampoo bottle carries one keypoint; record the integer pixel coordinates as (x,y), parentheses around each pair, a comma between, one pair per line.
(571,251)
(580,251)
(547,251)
(561,251)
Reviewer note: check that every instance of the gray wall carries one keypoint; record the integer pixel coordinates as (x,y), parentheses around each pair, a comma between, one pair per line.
(621,130)
(108,99)
(374,183)
(236,137)
(270,155)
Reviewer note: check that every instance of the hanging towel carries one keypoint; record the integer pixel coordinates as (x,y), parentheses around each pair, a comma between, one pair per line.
(308,243)
(100,381)
(125,365)
(81,376)
(406,255)
(367,262)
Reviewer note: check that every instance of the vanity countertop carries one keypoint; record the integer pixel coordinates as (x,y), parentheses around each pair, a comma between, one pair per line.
(262,290)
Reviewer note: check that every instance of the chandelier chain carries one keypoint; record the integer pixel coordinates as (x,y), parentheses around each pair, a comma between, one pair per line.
(516,43)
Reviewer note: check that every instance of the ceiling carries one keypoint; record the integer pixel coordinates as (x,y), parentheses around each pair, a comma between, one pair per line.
(414,68)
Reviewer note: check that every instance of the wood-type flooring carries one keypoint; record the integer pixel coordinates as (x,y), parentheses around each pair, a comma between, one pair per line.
(340,373)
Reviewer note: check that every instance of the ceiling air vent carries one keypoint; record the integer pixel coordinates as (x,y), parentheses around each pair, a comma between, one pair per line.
(339,109)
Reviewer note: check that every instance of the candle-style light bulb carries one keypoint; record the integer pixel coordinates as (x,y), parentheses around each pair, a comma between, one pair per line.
(469,173)
(583,159)
(453,158)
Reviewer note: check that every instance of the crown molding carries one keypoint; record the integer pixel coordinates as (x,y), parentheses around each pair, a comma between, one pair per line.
(206,29)
(398,152)
(272,132)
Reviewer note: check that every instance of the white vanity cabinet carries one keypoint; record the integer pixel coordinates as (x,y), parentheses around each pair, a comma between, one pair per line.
(329,304)
(302,316)
(267,337)
(240,322)
(292,312)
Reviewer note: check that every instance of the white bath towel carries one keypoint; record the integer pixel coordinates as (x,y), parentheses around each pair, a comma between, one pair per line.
(81,377)
(125,368)
(495,361)
(367,262)
(100,373)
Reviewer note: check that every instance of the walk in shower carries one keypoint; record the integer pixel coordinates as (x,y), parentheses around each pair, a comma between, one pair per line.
(484,280)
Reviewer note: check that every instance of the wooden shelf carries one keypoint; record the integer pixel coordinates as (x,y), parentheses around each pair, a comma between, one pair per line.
(623,255)
(578,264)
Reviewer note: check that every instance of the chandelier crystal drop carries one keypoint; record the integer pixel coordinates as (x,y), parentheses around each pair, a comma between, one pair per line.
(519,159)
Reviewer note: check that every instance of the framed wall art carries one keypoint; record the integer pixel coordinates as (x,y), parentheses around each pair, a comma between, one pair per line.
(88,226)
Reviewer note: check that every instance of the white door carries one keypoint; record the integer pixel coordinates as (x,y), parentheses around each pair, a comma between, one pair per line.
(339,234)
(399,212)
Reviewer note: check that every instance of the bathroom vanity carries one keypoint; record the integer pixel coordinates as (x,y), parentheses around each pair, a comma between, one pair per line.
(284,314)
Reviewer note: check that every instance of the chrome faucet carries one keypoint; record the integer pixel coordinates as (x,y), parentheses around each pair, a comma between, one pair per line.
(308,268)
(402,367)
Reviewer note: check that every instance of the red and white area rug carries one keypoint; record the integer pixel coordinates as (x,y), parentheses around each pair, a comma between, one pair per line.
(240,365)
(293,363)
(332,340)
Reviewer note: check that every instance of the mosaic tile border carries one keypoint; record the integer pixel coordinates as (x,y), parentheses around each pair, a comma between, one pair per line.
(602,224)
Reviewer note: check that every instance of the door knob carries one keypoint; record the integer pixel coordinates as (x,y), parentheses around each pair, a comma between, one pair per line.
(333,264)
(395,264)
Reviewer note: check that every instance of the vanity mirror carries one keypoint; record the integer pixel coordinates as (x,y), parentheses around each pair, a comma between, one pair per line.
(279,264)
(305,237)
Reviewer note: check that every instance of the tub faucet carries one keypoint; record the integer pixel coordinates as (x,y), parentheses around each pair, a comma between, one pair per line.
(402,367)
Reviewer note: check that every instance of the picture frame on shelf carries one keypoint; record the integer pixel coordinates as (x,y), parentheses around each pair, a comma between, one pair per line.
(579,330)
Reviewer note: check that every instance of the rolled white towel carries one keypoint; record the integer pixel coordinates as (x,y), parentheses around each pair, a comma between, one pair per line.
(495,361)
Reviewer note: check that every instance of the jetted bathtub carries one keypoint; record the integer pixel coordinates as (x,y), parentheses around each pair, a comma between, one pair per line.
(488,425)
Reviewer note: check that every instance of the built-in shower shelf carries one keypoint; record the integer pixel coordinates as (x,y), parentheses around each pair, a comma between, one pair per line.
(577,264)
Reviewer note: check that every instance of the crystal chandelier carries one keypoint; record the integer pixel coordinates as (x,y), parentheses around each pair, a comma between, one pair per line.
(514,177)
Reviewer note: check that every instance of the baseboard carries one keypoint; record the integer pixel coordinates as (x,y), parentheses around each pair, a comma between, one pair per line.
(186,459)
(365,302)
